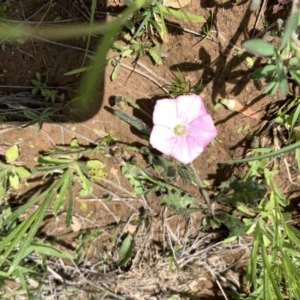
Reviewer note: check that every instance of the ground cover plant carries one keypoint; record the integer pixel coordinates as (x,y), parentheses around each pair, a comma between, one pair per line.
(182,179)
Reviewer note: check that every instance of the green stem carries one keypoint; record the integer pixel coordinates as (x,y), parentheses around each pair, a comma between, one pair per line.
(90,95)
(263,156)
(202,189)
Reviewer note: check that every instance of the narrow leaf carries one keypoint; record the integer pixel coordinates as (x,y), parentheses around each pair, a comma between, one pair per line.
(59,201)
(47,250)
(14,180)
(22,172)
(263,156)
(259,47)
(263,72)
(125,250)
(291,25)
(180,15)
(133,121)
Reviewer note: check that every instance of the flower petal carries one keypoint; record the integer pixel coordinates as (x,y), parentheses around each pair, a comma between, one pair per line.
(185,150)
(201,131)
(165,113)
(187,111)
(163,139)
(190,107)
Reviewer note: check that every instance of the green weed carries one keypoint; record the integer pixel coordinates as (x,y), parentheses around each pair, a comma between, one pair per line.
(40,87)
(145,31)
(283,60)
(60,170)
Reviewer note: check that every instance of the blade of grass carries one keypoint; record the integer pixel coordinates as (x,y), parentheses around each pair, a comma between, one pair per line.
(39,215)
(84,105)
(92,19)
(263,156)
(268,273)
(291,24)
(64,186)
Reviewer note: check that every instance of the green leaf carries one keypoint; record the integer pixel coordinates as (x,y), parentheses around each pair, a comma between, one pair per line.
(154,55)
(47,250)
(2,192)
(115,71)
(54,161)
(268,155)
(283,86)
(180,14)
(77,71)
(85,183)
(281,76)
(12,154)
(263,72)
(95,164)
(32,224)
(22,172)
(90,82)
(96,170)
(295,118)
(242,193)
(295,75)
(133,121)
(259,47)
(178,203)
(74,145)
(291,25)
(160,27)
(272,87)
(14,180)
(125,250)
(70,205)
(268,271)
(65,180)
(235,226)
(293,234)
(26,207)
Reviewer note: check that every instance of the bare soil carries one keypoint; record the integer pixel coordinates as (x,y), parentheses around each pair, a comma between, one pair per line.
(215,60)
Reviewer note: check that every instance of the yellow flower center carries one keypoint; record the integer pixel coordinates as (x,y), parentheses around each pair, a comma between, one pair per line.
(179,130)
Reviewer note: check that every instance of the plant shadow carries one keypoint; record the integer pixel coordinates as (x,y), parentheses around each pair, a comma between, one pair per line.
(36,72)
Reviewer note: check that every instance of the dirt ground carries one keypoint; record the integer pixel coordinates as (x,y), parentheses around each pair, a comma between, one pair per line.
(217,61)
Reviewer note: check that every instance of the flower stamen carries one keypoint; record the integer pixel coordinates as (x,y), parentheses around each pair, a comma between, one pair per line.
(179,130)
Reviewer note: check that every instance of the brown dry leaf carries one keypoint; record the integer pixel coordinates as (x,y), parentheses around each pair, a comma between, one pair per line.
(176,3)
(130,229)
(235,105)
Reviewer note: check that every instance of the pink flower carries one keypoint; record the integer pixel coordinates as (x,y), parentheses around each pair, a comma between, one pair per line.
(182,127)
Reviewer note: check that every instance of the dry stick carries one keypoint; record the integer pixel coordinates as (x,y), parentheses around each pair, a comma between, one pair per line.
(217,281)
(262,8)
(202,189)
(195,33)
(152,73)
(289,173)
(144,75)
(106,208)
(63,45)
(209,37)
